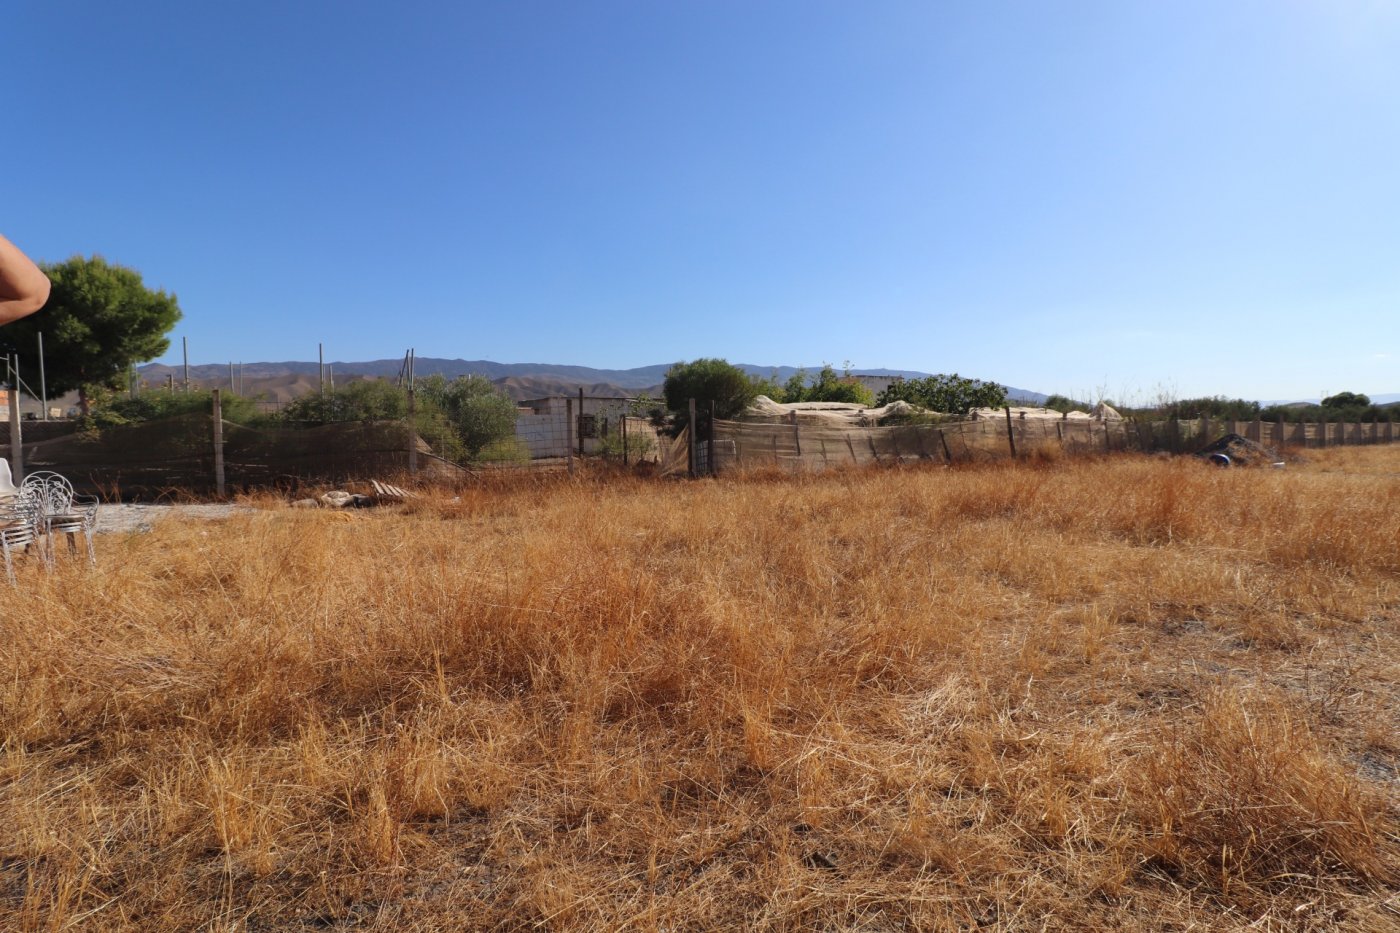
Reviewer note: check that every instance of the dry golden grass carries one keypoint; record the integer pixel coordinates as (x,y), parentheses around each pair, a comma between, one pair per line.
(1122,694)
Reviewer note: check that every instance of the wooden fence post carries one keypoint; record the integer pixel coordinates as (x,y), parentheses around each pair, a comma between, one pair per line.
(796,437)
(1322,432)
(1010,434)
(624,437)
(16,441)
(218,413)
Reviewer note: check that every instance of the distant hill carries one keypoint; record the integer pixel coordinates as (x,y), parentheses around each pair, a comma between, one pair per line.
(286,380)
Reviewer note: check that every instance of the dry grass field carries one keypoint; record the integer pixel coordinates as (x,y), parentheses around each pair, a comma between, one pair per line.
(1119,694)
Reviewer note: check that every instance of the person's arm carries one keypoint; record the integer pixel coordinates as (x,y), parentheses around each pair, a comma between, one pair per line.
(23,287)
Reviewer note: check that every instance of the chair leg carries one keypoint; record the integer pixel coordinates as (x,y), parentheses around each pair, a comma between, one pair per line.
(92,551)
(9,565)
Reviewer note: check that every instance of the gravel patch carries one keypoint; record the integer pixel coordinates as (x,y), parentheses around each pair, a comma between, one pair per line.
(128,517)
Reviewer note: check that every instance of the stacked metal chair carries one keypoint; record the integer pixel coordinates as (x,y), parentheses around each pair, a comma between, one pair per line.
(21,519)
(61,512)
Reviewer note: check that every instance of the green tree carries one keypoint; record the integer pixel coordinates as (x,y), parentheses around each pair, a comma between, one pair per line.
(707,380)
(481,414)
(954,395)
(100,320)
(1346,400)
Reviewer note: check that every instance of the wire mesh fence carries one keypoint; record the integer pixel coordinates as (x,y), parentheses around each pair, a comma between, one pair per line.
(199,453)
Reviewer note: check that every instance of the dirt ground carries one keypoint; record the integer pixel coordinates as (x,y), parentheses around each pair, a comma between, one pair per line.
(127,517)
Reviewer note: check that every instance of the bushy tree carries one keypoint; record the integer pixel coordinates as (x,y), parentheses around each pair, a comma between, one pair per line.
(99,321)
(480,413)
(955,395)
(707,380)
(1347,400)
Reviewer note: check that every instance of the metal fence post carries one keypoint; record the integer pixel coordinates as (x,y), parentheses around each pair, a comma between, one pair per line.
(412,433)
(217,410)
(569,432)
(690,439)
(710,434)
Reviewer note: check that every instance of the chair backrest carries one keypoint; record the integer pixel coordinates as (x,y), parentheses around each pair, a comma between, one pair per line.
(52,490)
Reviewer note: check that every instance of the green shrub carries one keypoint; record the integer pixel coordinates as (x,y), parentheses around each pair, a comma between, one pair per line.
(110,409)
(827,387)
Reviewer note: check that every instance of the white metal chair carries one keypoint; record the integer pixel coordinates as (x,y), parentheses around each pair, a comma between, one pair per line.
(62,512)
(21,524)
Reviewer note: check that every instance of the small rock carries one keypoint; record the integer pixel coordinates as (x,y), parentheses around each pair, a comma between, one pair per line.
(338,499)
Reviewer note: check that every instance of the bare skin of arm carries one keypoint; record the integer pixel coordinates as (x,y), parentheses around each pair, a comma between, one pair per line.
(23,287)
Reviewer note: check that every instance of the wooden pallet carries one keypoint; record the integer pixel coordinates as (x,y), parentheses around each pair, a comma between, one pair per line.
(387,491)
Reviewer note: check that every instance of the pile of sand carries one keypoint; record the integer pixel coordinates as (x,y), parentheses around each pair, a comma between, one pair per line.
(830,413)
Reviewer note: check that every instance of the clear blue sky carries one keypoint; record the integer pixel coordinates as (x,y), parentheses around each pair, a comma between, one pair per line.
(1202,197)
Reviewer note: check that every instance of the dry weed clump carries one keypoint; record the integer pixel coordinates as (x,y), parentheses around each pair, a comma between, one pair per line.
(1065,695)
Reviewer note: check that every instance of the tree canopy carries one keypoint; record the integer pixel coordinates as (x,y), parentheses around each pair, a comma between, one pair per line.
(99,321)
(954,395)
(707,380)
(1347,400)
(480,413)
